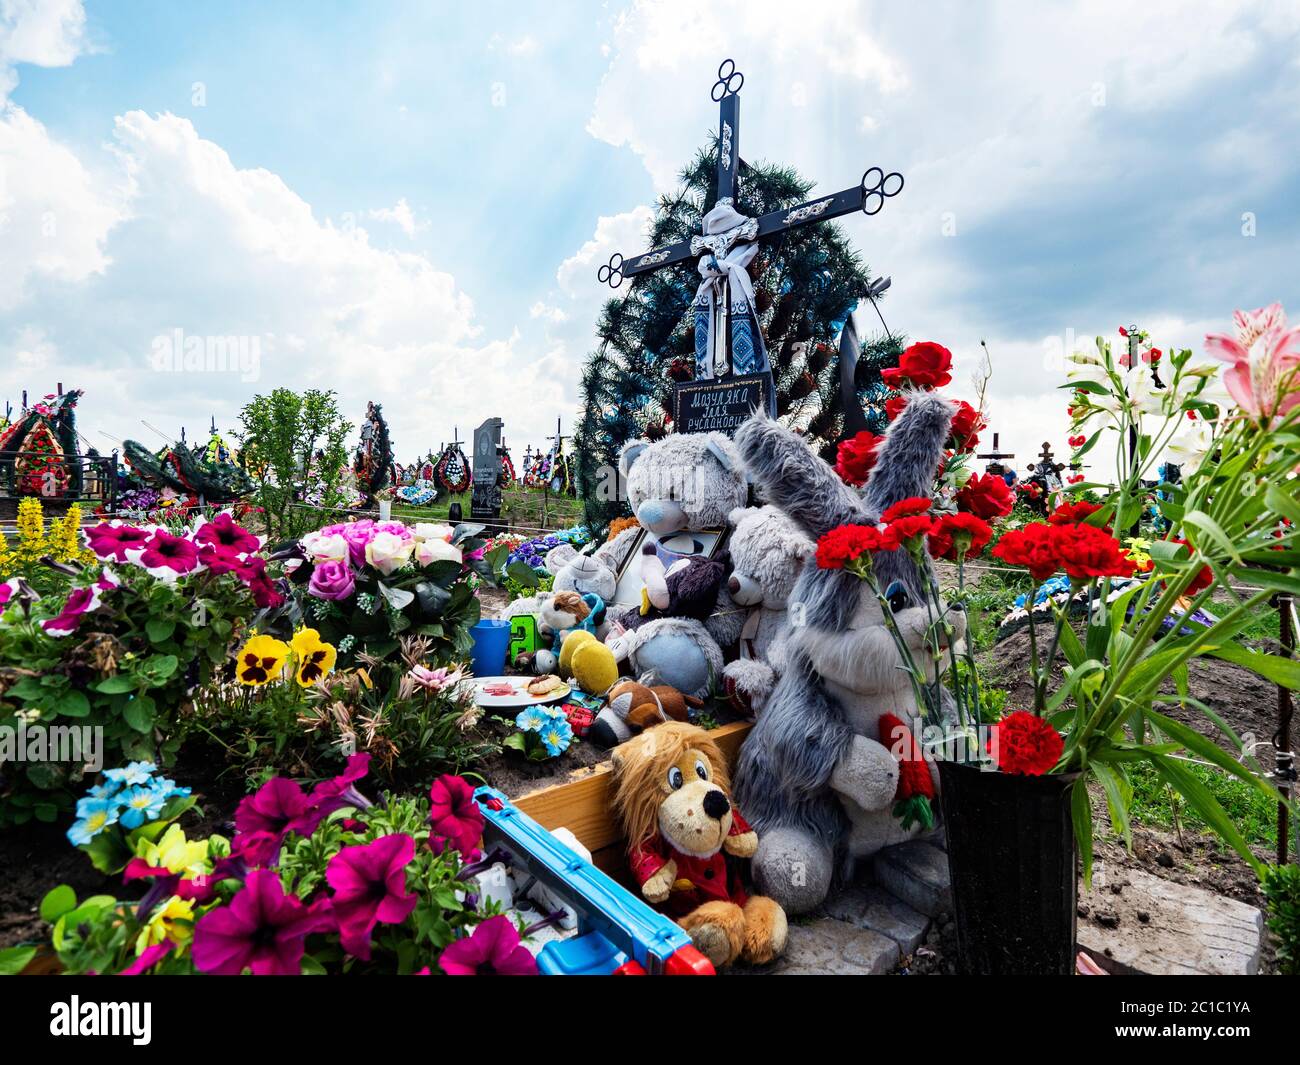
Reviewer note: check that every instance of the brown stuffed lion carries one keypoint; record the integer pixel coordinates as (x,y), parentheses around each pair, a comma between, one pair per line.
(672,796)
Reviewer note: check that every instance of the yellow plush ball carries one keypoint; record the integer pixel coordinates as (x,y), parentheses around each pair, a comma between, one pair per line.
(571,643)
(594,667)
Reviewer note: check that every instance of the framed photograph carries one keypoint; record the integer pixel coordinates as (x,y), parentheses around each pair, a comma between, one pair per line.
(688,542)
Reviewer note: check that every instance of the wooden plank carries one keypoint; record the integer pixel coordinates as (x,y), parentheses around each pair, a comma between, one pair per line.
(583,806)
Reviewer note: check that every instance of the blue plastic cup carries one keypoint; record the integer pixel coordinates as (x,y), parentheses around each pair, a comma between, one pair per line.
(491,641)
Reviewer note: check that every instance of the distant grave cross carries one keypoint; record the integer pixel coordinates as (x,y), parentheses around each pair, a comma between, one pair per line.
(995,457)
(559,438)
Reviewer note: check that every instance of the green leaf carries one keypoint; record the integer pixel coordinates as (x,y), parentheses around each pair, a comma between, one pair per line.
(1275,668)
(14,960)
(116,685)
(72,704)
(159,630)
(1200,798)
(1206,748)
(1117,798)
(57,902)
(522,574)
(1198,519)
(1283,503)
(139,713)
(1081,814)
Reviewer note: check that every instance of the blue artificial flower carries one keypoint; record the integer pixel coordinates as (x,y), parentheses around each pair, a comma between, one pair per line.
(141,804)
(556,736)
(554,712)
(94,815)
(530,719)
(134,774)
(167,785)
(104,791)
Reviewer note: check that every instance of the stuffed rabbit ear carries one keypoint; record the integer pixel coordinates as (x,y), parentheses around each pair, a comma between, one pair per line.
(787,474)
(907,460)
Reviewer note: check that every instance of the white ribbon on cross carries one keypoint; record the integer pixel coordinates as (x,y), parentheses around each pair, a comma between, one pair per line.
(726,249)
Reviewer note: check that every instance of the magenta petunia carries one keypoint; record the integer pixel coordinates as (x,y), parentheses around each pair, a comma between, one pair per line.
(109,540)
(150,957)
(369,882)
(165,555)
(220,559)
(261,929)
(277,807)
(222,531)
(80,601)
(493,950)
(341,790)
(456,819)
(253,573)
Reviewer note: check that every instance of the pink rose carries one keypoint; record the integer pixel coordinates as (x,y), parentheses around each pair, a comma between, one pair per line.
(332,580)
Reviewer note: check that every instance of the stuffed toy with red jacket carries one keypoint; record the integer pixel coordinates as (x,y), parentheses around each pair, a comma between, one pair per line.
(673,799)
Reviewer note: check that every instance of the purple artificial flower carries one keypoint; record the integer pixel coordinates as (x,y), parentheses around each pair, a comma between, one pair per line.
(222,531)
(150,957)
(261,929)
(493,950)
(165,555)
(278,807)
(332,580)
(358,534)
(108,539)
(369,882)
(456,819)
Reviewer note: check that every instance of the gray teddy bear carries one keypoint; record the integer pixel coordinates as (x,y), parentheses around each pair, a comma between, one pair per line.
(813,778)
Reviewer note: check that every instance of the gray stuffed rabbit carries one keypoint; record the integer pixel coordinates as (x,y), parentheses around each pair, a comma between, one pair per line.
(813,777)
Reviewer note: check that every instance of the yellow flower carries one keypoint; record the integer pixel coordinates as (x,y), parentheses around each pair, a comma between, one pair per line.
(315,657)
(176,854)
(173,920)
(1138,550)
(261,660)
(364,675)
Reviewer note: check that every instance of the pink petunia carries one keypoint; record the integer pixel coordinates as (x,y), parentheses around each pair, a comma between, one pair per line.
(456,820)
(492,950)
(80,602)
(369,882)
(223,532)
(114,540)
(168,556)
(261,929)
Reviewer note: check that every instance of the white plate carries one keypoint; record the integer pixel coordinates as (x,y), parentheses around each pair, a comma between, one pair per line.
(519,699)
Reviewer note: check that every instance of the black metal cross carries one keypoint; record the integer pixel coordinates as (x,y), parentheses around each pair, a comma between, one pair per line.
(559,438)
(995,457)
(868,196)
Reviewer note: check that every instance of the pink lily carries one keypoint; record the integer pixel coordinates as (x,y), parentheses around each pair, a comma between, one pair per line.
(1264,378)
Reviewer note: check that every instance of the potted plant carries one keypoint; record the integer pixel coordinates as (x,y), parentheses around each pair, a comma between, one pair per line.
(1015,791)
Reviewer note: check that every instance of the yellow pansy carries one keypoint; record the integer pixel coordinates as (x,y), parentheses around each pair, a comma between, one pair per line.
(175,853)
(173,920)
(315,657)
(261,660)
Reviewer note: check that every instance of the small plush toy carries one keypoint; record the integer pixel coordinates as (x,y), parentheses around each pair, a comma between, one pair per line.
(633,707)
(671,795)
(588,662)
(562,614)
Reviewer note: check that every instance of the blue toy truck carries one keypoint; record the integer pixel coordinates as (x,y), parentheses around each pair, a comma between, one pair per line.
(618,934)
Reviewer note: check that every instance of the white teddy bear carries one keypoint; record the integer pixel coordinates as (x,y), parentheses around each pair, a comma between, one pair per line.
(768,552)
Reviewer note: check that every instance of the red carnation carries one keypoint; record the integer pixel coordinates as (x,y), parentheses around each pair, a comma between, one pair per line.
(856,457)
(1077,441)
(906,507)
(894,407)
(986,496)
(1203,579)
(957,536)
(909,530)
(1026,744)
(1086,552)
(925,365)
(1073,513)
(1032,547)
(846,544)
(966,425)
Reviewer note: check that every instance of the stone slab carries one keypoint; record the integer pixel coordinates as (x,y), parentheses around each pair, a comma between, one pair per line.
(826,947)
(917,873)
(876,909)
(1156,926)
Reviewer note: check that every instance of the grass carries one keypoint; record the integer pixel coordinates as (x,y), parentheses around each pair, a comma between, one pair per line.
(526,509)
(1154,803)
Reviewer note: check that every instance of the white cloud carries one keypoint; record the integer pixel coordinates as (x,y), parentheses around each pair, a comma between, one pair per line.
(400,215)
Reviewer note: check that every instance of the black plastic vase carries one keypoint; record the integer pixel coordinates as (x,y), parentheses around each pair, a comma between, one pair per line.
(1012,855)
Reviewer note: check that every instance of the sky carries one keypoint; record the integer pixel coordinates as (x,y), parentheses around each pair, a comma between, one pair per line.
(407,203)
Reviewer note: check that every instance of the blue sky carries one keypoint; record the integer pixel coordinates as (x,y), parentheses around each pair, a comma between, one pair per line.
(407,202)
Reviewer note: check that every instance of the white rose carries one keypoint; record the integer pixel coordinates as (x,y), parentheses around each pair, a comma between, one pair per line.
(427,552)
(324,548)
(429,531)
(387,552)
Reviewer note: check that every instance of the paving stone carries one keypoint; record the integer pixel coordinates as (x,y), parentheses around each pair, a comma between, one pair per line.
(876,909)
(827,947)
(1186,930)
(917,873)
